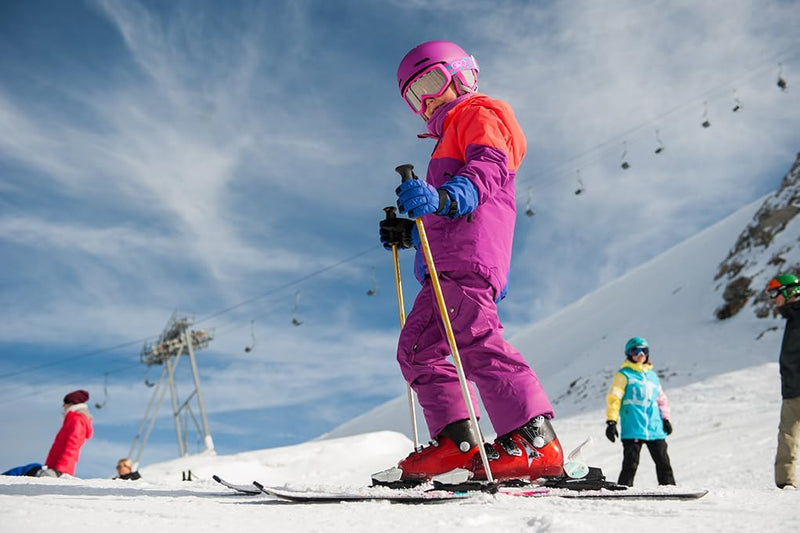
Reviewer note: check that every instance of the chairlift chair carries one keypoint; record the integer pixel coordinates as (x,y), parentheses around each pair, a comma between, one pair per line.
(296,321)
(100,405)
(781,81)
(625,165)
(581,186)
(706,123)
(249,348)
(374,289)
(660,147)
(529,211)
(737,104)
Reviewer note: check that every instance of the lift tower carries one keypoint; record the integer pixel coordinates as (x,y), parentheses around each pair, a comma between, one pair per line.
(176,340)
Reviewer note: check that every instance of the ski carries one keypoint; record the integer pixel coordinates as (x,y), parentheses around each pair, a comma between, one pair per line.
(636,495)
(438,495)
(242,489)
(407,496)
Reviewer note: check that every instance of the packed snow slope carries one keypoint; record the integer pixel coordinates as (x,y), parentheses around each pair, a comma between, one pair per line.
(721,377)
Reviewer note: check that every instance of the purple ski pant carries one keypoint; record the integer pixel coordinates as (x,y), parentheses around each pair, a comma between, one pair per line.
(510,390)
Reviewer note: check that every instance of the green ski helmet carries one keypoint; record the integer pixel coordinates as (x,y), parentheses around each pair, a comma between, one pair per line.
(637,342)
(786,284)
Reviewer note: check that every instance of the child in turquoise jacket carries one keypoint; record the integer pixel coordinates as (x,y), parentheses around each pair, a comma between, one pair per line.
(637,401)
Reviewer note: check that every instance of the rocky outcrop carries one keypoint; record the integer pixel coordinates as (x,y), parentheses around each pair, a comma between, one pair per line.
(769,245)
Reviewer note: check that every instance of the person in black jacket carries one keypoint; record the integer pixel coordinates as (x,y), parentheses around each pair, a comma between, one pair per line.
(125,470)
(784,290)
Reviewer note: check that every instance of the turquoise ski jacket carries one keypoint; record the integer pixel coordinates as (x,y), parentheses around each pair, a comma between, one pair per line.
(637,402)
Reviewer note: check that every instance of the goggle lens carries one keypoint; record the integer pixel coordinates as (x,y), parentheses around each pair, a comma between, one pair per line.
(638,350)
(786,290)
(430,84)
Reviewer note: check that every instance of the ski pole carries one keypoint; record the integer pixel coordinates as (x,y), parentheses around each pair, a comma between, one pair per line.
(407,173)
(398,283)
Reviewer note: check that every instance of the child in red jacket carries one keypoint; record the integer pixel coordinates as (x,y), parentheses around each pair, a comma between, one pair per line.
(75,430)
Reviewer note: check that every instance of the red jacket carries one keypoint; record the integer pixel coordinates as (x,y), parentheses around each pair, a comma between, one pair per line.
(66,448)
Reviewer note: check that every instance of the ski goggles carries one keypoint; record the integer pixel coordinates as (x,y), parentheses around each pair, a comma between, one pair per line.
(638,350)
(777,291)
(433,81)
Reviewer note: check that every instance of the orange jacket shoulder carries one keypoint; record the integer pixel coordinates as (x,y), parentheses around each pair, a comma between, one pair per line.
(482,121)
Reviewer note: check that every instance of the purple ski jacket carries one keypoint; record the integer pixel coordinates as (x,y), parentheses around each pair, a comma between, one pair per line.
(478,138)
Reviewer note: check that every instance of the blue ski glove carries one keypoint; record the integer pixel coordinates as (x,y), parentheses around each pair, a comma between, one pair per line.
(611,430)
(400,232)
(418,198)
(667,427)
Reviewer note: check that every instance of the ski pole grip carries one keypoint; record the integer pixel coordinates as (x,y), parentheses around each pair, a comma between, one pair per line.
(406,172)
(391,212)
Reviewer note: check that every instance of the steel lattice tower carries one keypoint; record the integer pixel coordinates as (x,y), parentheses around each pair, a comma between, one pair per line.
(176,340)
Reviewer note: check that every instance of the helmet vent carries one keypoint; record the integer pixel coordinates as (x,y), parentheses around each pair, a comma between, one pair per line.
(421,61)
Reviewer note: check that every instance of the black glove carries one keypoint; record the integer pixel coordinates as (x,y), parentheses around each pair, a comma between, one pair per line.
(611,430)
(397,232)
(667,427)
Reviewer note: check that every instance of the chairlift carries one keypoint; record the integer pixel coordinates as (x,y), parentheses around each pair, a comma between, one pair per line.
(660,147)
(581,186)
(529,207)
(149,384)
(625,165)
(252,345)
(737,104)
(296,321)
(100,405)
(706,123)
(374,290)
(781,81)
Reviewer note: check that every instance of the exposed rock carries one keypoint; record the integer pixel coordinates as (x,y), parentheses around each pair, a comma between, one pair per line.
(736,294)
(763,250)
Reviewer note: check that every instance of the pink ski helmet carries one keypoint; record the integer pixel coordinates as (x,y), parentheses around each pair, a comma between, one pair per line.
(427,70)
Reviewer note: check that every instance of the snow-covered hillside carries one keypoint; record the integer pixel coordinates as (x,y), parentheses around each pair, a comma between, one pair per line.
(721,376)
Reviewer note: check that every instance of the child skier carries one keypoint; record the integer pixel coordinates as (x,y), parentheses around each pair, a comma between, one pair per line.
(75,430)
(637,400)
(469,208)
(784,290)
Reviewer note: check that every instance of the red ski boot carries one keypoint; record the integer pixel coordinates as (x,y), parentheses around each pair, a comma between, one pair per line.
(455,447)
(527,453)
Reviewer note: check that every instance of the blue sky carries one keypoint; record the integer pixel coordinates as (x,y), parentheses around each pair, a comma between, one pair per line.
(230,160)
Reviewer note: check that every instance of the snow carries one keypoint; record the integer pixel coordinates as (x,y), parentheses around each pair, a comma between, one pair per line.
(721,377)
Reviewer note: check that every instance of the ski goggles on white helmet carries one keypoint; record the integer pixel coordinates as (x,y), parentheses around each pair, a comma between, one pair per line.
(433,81)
